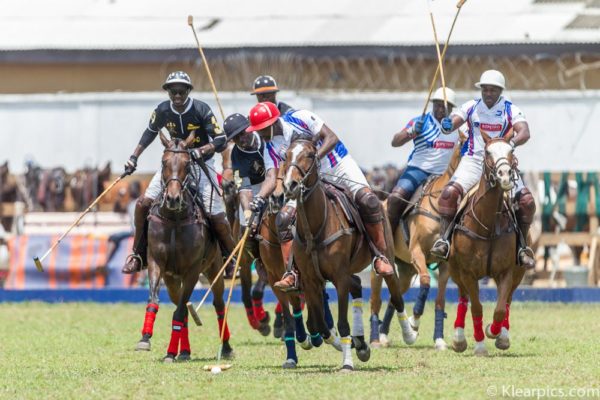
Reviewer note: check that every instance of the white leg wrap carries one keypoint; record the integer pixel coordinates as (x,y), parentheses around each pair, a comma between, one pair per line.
(347,351)
(409,335)
(358,328)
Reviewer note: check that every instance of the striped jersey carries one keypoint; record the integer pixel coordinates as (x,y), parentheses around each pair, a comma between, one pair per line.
(432,148)
(495,121)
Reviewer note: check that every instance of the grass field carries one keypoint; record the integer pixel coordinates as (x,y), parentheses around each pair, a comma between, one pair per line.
(80,351)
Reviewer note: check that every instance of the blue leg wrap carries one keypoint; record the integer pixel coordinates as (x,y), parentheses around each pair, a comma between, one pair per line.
(300,331)
(438,332)
(387,319)
(327,311)
(290,346)
(374,328)
(421,299)
(316,339)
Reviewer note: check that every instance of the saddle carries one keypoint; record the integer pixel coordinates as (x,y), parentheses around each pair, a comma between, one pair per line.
(414,209)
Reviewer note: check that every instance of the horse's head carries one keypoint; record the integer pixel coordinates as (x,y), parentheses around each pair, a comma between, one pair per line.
(500,162)
(301,167)
(57,182)
(4,170)
(176,167)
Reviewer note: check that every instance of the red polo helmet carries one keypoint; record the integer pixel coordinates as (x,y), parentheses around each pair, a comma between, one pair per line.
(262,115)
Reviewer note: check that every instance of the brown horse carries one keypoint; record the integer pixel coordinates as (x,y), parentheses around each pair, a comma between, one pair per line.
(86,184)
(9,193)
(180,247)
(484,243)
(52,189)
(327,247)
(421,222)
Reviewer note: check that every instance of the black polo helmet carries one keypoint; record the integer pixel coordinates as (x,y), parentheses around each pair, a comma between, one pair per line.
(264,84)
(178,77)
(235,124)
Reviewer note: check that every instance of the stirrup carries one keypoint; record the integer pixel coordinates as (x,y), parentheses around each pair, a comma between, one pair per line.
(385,260)
(288,289)
(128,259)
(444,256)
(528,252)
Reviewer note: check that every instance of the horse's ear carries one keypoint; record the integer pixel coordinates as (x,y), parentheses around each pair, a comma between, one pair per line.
(485,136)
(190,139)
(509,135)
(163,138)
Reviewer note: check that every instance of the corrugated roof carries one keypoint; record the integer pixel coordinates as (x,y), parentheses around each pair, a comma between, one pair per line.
(155,24)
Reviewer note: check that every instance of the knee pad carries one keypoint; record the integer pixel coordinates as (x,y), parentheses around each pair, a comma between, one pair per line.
(369,206)
(525,206)
(144,202)
(284,221)
(449,199)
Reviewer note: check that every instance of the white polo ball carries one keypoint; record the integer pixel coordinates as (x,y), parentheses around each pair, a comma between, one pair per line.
(215,370)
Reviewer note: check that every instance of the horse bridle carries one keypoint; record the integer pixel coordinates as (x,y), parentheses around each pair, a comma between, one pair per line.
(183,185)
(305,190)
(490,170)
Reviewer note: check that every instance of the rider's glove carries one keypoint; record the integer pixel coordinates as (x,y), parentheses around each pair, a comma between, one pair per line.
(258,204)
(131,165)
(447,125)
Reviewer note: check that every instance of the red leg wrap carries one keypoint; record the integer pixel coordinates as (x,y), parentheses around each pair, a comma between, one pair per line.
(461,312)
(278,308)
(505,322)
(302,302)
(495,328)
(185,338)
(259,311)
(220,316)
(175,338)
(151,311)
(478,328)
(251,318)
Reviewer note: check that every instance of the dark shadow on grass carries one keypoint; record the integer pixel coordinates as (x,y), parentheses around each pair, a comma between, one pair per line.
(314,369)
(276,342)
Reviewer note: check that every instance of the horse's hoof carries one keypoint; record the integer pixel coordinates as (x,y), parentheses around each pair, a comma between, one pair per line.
(335,342)
(347,368)
(184,356)
(277,330)
(289,364)
(488,332)
(503,340)
(480,350)
(414,323)
(363,354)
(169,359)
(383,339)
(142,346)
(226,351)
(264,329)
(409,335)
(440,344)
(306,345)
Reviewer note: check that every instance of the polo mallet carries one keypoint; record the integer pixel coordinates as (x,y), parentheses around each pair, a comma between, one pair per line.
(38,261)
(239,247)
(215,369)
(437,71)
(212,83)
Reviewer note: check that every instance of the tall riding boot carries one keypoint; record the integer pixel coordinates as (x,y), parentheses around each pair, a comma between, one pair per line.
(222,229)
(290,280)
(138,259)
(448,206)
(525,211)
(381,264)
(396,204)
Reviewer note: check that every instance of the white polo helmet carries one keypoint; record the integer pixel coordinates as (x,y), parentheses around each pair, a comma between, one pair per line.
(450,95)
(493,78)
(178,77)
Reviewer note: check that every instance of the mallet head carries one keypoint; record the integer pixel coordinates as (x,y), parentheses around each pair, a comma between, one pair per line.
(38,264)
(190,20)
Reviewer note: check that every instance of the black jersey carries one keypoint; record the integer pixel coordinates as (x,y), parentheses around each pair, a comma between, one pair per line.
(248,166)
(197,116)
(283,107)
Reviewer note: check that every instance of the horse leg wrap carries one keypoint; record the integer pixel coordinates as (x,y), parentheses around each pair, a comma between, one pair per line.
(175,338)
(221,320)
(358,328)
(251,318)
(478,329)
(259,311)
(347,351)
(419,307)
(316,340)
(151,310)
(387,319)
(327,310)
(374,328)
(185,338)
(461,312)
(438,332)
(299,322)
(505,322)
(496,327)
(290,346)
(278,308)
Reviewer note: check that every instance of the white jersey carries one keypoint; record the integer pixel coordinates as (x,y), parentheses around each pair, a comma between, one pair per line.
(274,152)
(433,149)
(495,121)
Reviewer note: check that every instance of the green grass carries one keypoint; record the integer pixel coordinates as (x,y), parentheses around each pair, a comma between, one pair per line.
(84,351)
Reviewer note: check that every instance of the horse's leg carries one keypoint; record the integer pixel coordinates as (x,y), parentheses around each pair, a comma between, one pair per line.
(472,286)
(327,312)
(375,302)
(342,284)
(419,261)
(246,283)
(409,335)
(152,307)
(302,337)
(503,290)
(503,340)
(261,315)
(289,327)
(313,295)
(363,352)
(180,320)
(219,305)
(459,341)
(384,328)
(174,287)
(440,305)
